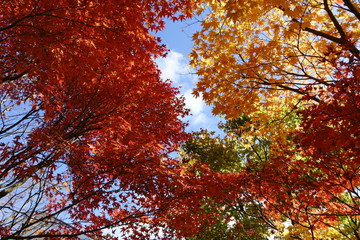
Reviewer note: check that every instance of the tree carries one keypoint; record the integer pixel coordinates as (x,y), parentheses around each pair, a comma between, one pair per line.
(291,67)
(258,57)
(86,123)
(332,163)
(313,192)
(241,217)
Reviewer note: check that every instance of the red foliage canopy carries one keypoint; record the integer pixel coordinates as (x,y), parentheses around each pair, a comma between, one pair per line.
(315,180)
(86,122)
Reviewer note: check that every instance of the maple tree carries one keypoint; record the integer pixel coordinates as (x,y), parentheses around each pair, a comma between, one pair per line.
(258,57)
(86,123)
(329,142)
(292,69)
(317,172)
(239,217)
(312,192)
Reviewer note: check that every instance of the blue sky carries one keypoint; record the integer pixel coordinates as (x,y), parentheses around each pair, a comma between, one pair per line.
(177,38)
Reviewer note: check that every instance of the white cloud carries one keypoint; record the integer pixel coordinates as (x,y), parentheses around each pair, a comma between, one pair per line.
(173,66)
(201,118)
(200,113)
(196,105)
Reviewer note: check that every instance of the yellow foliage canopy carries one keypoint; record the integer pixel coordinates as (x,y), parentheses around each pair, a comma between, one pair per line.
(261,57)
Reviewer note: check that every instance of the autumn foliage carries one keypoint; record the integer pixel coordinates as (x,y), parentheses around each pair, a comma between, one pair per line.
(86,123)
(87,126)
(285,76)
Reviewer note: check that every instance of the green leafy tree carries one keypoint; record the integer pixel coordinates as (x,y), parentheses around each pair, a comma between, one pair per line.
(240,218)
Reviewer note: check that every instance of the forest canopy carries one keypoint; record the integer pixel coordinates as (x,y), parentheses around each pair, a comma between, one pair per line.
(88,128)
